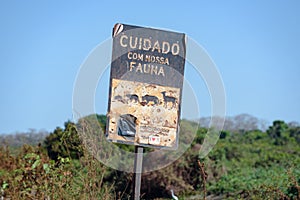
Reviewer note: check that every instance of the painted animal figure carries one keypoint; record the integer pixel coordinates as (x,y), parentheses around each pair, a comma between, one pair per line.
(169,99)
(148,98)
(132,98)
(119,98)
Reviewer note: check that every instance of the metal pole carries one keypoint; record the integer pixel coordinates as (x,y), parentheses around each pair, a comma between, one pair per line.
(138,164)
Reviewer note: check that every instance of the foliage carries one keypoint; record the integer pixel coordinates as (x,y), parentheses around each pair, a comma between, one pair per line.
(102,121)
(278,132)
(64,143)
(32,175)
(256,165)
(248,164)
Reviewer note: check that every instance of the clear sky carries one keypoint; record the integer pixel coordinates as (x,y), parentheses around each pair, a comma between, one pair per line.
(255,45)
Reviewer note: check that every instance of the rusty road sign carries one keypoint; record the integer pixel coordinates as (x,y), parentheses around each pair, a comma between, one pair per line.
(146,82)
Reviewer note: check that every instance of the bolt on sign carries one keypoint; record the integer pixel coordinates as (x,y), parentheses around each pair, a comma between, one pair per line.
(146,80)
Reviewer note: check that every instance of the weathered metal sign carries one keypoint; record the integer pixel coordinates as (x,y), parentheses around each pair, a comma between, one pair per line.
(146,82)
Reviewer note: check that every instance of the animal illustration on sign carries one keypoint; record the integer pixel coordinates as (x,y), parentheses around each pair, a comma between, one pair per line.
(148,98)
(169,99)
(132,98)
(119,98)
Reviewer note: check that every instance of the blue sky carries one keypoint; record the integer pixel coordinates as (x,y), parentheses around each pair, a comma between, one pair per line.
(255,45)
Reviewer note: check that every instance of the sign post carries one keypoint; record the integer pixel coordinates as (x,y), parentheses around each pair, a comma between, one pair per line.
(146,81)
(138,165)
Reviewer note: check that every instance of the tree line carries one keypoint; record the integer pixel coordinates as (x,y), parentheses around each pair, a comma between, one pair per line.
(247,163)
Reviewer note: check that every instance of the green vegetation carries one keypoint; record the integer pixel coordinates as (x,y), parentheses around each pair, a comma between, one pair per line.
(256,164)
(244,164)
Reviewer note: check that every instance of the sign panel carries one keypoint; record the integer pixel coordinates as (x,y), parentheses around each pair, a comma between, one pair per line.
(146,82)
